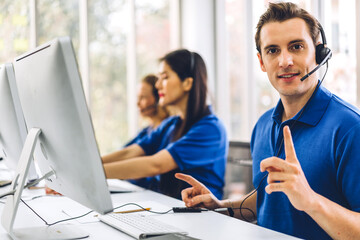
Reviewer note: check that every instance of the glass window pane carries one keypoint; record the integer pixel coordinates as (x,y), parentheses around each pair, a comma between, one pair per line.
(152,37)
(14,29)
(341,36)
(237,54)
(152,34)
(57,18)
(108,24)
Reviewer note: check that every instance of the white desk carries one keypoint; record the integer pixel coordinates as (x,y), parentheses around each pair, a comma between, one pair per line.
(204,225)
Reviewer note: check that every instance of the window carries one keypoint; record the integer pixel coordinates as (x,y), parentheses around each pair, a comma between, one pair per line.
(108,24)
(152,37)
(339,26)
(108,49)
(152,34)
(57,18)
(14,29)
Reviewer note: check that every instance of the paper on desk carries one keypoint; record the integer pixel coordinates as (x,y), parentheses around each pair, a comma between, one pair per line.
(120,186)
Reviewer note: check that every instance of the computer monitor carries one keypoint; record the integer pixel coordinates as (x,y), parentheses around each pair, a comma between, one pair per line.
(12,125)
(59,123)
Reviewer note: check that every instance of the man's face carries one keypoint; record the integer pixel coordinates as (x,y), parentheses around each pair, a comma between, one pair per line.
(287,54)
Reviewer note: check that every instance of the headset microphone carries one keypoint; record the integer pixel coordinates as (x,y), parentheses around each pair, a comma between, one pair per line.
(328,56)
(322,54)
(149,107)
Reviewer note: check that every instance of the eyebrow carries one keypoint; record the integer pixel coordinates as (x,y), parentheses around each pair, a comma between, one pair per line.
(297,41)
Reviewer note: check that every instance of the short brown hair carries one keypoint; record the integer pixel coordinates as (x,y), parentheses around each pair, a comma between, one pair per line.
(279,12)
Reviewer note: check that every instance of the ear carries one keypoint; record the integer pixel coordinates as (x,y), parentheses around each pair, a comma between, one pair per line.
(261,62)
(187,84)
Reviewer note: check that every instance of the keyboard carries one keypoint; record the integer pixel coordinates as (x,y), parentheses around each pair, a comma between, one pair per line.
(138,226)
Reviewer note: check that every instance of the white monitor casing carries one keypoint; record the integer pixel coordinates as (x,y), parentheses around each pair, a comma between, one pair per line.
(59,123)
(12,125)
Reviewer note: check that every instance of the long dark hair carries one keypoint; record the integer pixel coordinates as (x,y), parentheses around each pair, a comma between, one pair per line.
(190,64)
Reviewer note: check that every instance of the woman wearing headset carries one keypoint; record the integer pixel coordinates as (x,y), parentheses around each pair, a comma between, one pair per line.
(193,142)
(149,109)
(154,114)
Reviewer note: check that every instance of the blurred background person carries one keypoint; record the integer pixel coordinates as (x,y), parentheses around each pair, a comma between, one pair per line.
(153,114)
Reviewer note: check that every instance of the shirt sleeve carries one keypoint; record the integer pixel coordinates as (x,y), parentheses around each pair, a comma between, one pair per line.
(145,131)
(201,146)
(151,143)
(348,176)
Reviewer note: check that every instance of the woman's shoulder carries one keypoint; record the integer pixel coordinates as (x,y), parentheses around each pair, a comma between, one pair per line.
(168,122)
(210,123)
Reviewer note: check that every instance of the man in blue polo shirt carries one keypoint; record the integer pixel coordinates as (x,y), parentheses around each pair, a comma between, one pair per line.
(307,181)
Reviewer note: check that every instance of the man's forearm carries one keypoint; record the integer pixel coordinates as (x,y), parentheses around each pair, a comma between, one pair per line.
(337,221)
(247,211)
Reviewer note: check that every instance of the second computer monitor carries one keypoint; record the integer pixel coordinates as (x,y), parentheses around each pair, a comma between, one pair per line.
(12,124)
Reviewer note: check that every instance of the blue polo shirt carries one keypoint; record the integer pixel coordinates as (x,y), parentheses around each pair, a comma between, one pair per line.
(145,131)
(326,139)
(146,182)
(201,153)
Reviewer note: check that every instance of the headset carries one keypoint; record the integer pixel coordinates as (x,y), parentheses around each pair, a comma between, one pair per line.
(192,63)
(322,56)
(322,53)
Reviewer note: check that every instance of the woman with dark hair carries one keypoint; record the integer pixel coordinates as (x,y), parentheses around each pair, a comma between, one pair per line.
(193,142)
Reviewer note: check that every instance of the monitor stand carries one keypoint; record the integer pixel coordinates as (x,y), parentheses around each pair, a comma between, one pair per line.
(54,232)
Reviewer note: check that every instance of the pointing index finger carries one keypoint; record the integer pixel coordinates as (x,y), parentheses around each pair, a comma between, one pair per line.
(289,145)
(189,179)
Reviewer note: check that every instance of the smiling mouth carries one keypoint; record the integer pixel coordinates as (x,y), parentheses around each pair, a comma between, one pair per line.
(289,75)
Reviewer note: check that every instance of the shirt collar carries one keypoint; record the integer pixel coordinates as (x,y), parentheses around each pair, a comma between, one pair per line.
(313,112)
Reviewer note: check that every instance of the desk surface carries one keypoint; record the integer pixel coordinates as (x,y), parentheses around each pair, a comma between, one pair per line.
(204,225)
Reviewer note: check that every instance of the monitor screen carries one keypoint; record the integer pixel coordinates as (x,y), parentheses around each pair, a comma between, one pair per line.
(52,99)
(12,125)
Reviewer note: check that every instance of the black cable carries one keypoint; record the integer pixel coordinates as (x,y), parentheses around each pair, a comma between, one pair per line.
(242,202)
(12,192)
(7,194)
(34,212)
(83,215)
(281,144)
(143,208)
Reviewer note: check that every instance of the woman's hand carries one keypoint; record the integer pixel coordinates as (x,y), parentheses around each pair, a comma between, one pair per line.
(197,195)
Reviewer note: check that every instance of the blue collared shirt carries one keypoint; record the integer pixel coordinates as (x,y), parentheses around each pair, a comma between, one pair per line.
(326,138)
(201,153)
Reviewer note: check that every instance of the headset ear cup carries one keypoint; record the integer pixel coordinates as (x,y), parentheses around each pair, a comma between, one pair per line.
(321,53)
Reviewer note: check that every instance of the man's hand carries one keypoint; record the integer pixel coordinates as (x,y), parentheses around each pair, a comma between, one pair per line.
(197,195)
(287,176)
